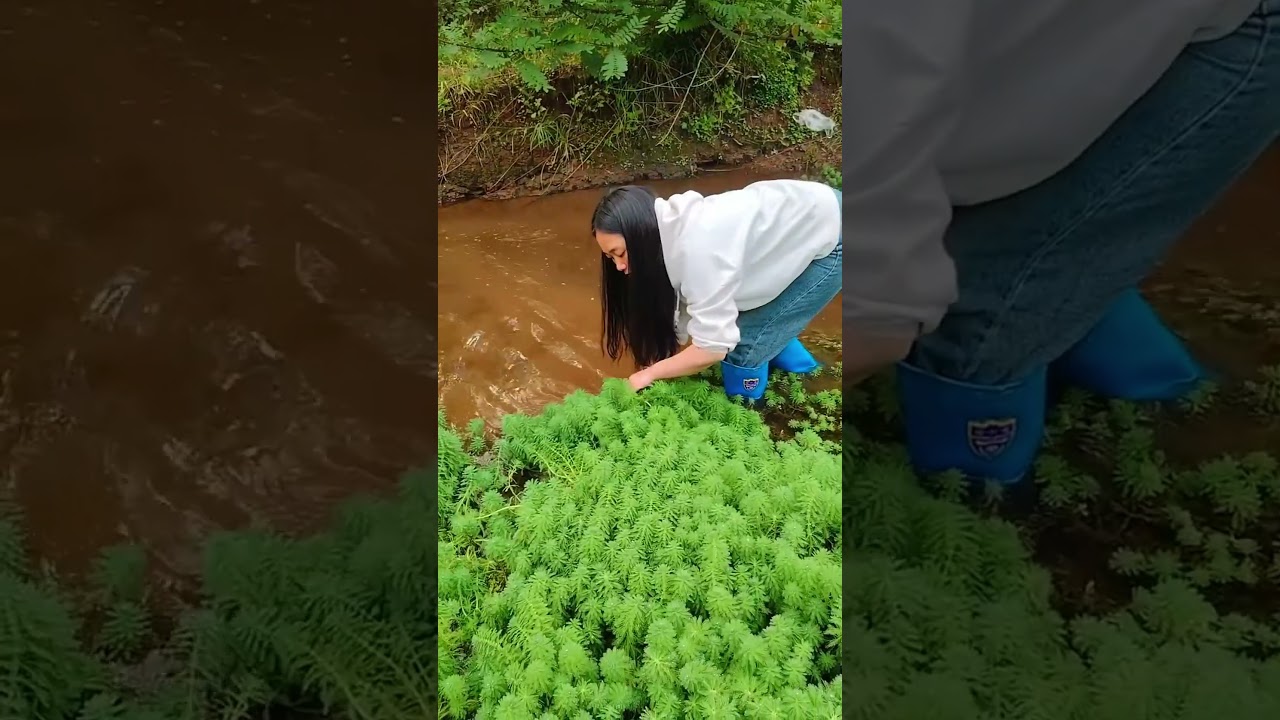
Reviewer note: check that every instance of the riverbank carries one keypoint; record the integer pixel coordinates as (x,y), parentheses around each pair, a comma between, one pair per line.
(488,160)
(545,97)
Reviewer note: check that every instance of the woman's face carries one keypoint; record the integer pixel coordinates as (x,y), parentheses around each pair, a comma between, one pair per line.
(614,247)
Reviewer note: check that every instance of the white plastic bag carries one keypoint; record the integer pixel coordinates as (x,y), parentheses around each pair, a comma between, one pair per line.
(815,121)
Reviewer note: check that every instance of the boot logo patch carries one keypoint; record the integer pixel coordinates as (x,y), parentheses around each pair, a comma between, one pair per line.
(989,438)
(750,384)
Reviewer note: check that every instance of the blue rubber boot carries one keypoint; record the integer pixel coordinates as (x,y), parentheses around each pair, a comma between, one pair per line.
(985,432)
(1130,355)
(794,359)
(744,382)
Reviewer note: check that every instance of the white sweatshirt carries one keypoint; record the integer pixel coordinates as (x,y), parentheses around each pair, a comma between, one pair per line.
(957,102)
(738,250)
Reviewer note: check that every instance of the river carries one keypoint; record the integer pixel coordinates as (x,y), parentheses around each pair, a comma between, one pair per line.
(519,300)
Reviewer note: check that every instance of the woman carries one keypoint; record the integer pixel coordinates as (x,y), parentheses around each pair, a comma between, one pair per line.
(734,277)
(1019,168)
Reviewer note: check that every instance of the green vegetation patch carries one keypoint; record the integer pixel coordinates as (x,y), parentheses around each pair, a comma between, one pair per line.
(666,559)
(618,555)
(1121,583)
(670,554)
(335,625)
(532,40)
(545,87)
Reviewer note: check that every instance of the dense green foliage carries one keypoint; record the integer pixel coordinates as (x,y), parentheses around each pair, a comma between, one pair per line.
(342,619)
(833,177)
(667,554)
(605,37)
(670,558)
(555,84)
(957,612)
(688,584)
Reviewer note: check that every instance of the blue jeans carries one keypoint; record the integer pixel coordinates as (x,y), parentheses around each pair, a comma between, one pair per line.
(767,329)
(1039,268)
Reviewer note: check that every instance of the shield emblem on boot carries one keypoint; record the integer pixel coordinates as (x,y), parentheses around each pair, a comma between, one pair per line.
(989,438)
(750,384)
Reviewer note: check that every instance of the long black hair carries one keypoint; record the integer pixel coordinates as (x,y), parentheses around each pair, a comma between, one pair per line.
(637,311)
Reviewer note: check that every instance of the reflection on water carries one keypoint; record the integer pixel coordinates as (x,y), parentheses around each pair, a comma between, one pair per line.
(519,308)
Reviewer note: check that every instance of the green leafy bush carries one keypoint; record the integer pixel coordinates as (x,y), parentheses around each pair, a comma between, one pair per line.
(833,176)
(666,557)
(604,36)
(617,554)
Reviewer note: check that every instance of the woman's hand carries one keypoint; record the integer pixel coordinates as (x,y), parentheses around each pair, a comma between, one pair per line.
(640,379)
(689,361)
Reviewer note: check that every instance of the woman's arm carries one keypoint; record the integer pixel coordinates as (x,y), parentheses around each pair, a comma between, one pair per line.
(711,273)
(688,361)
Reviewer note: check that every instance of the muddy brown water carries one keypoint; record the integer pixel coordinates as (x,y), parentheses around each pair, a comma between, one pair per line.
(1219,286)
(217,301)
(519,300)
(1220,291)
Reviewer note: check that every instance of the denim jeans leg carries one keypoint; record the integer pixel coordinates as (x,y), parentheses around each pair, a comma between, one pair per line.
(767,329)
(1038,269)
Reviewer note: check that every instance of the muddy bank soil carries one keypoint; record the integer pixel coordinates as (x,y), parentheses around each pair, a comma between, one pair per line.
(490,160)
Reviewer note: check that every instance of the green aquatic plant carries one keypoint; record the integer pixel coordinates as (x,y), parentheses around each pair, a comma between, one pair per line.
(476,441)
(789,397)
(666,559)
(670,554)
(43,670)
(952,617)
(1263,394)
(119,578)
(1200,400)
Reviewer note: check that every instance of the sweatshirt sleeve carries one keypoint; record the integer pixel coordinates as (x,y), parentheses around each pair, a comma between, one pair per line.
(712,274)
(903,68)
